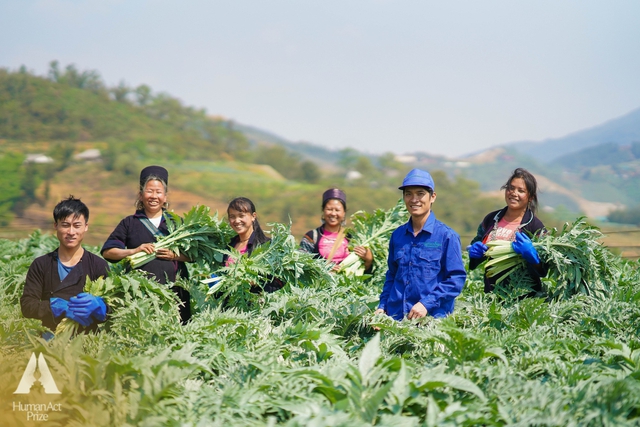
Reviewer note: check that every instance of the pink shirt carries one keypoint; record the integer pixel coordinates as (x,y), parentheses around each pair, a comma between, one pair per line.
(233,260)
(504,230)
(325,244)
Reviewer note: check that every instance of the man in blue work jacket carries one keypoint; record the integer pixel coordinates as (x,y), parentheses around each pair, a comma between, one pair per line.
(426,272)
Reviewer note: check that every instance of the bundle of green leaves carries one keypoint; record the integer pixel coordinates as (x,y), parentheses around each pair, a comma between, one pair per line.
(197,235)
(120,289)
(280,259)
(373,231)
(309,357)
(577,262)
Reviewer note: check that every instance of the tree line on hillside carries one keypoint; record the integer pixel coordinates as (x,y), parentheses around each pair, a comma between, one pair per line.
(136,123)
(626,216)
(73,105)
(135,126)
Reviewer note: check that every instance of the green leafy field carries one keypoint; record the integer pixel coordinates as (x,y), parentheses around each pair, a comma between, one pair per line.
(308,356)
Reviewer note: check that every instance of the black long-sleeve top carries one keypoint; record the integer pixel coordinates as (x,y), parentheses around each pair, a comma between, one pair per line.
(131,233)
(529,223)
(43,283)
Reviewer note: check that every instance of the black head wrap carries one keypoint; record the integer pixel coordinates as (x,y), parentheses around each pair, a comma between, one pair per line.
(334,193)
(157,171)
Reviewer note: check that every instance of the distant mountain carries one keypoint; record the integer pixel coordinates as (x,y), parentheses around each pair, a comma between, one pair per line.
(594,191)
(622,131)
(321,155)
(593,180)
(608,153)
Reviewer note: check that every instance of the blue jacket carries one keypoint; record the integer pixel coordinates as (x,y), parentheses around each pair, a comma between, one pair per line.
(426,268)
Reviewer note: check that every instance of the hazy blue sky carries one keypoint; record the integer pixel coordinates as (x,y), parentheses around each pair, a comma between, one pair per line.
(445,77)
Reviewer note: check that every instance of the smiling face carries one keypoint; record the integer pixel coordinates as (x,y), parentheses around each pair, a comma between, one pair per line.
(333,214)
(241,222)
(516,195)
(418,201)
(70,231)
(153,197)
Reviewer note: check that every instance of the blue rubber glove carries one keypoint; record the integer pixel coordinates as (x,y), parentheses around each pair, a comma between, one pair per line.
(86,306)
(81,320)
(477,250)
(47,336)
(524,247)
(59,306)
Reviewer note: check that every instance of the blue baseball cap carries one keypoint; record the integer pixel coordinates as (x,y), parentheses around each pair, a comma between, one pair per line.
(418,178)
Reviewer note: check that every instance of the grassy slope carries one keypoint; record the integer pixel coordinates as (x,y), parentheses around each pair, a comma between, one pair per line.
(34,108)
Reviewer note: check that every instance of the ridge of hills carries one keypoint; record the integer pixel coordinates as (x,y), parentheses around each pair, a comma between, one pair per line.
(564,196)
(592,171)
(623,130)
(210,160)
(325,157)
(72,110)
(594,180)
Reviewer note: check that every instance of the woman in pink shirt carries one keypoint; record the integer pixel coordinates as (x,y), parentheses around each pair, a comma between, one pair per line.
(244,221)
(329,240)
(515,223)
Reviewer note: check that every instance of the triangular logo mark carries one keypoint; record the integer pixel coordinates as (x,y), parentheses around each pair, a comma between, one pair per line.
(29,378)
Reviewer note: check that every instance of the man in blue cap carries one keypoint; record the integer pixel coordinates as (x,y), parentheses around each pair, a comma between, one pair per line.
(425,272)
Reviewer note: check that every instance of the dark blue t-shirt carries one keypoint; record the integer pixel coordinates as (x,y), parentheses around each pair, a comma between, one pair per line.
(63,270)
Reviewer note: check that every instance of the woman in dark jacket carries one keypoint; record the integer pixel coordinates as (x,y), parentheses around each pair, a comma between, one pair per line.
(138,232)
(244,221)
(515,223)
(329,240)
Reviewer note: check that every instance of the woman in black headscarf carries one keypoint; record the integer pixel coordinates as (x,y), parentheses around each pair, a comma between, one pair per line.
(138,232)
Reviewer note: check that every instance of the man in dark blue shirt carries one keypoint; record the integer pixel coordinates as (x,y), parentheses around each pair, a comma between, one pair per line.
(425,272)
